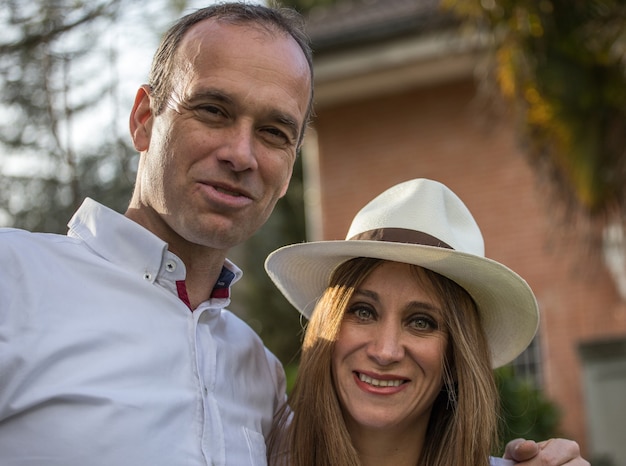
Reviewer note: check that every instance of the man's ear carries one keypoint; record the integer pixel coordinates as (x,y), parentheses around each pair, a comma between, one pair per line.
(141,119)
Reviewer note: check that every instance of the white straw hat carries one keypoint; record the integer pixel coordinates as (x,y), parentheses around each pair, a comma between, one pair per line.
(419,222)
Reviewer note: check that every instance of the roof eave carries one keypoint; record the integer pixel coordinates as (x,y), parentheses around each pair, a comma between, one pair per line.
(406,62)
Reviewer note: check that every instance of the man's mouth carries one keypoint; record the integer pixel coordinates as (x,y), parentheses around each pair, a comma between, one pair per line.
(227,191)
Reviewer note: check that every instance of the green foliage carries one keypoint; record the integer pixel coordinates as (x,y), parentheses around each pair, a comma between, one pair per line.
(563,65)
(526,412)
(291,370)
(49,57)
(63,130)
(44,202)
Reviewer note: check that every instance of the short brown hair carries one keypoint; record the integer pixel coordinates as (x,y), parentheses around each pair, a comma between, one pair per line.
(285,20)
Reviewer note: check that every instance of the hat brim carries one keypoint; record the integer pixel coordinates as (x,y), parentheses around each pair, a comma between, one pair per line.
(506,304)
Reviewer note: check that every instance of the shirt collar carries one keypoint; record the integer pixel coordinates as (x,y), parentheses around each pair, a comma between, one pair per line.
(124,242)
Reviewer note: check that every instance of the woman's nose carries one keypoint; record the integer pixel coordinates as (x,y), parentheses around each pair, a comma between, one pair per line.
(386,346)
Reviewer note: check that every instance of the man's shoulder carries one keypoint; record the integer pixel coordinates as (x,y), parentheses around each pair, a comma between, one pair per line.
(17,235)
(18,241)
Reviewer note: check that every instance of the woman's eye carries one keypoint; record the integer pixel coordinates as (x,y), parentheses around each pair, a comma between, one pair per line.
(361,312)
(423,323)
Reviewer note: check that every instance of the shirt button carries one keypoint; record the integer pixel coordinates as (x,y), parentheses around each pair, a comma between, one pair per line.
(170,266)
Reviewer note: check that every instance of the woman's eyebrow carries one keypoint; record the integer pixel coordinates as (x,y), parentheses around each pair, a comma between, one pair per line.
(366,293)
(411,305)
(424,306)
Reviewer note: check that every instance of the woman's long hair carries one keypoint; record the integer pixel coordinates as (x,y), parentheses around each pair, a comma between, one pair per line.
(462,430)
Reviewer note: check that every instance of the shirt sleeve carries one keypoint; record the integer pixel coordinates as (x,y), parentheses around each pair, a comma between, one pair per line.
(500,462)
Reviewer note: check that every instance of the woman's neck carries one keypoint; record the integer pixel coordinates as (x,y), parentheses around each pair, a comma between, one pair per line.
(376,448)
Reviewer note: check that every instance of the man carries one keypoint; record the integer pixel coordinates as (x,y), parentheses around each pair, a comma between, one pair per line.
(115,345)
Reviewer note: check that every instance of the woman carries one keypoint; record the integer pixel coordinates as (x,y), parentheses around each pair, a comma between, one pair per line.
(396,365)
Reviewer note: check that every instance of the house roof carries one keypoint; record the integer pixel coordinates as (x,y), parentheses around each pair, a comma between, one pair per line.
(350,23)
(365,48)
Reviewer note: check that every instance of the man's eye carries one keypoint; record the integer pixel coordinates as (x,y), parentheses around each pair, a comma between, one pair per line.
(276,136)
(211,110)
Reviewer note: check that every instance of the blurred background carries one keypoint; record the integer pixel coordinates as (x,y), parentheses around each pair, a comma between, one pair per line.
(518,105)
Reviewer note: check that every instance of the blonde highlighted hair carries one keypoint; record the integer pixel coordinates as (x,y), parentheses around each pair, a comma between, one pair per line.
(310,430)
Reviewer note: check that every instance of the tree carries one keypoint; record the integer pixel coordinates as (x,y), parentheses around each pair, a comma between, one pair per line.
(526,412)
(62,134)
(305,6)
(562,63)
(47,67)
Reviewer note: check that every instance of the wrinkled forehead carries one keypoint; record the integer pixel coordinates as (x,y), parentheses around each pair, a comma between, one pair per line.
(228,34)
(213,47)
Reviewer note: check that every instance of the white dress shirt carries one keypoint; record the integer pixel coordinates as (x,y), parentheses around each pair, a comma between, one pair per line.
(103,364)
(500,462)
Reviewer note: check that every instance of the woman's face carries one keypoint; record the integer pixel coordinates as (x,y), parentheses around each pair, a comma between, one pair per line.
(389,356)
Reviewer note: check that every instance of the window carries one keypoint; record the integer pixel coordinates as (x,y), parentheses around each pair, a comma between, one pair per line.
(528,366)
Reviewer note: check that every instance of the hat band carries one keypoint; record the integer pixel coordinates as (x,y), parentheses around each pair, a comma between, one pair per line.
(400,235)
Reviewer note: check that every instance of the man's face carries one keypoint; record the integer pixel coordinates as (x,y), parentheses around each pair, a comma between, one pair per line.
(221,154)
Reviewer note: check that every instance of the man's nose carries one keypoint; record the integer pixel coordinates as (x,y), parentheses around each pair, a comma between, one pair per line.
(239,150)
